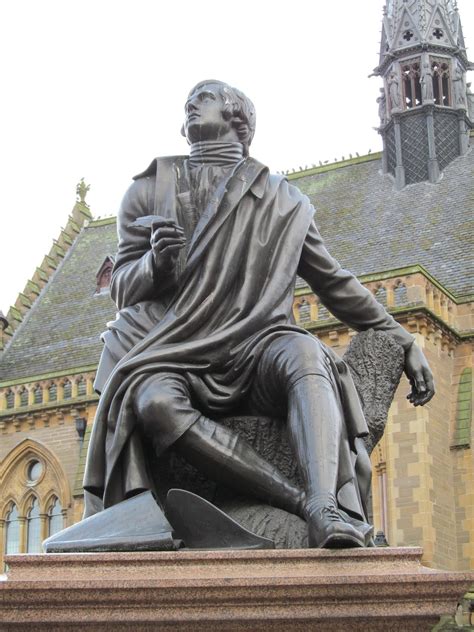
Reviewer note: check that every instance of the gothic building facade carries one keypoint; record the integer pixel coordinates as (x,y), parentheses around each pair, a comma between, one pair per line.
(417,199)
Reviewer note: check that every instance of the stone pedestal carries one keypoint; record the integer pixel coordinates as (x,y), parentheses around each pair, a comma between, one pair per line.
(359,589)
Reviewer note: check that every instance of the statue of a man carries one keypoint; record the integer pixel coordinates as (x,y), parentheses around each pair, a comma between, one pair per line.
(426,81)
(209,248)
(470,101)
(382,101)
(459,87)
(394,91)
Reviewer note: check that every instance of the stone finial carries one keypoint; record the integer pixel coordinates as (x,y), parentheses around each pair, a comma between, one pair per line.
(81,191)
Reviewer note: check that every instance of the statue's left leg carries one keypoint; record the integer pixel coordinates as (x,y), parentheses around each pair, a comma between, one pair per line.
(296,365)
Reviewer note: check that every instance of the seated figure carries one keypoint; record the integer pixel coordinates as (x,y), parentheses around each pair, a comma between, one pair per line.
(210,245)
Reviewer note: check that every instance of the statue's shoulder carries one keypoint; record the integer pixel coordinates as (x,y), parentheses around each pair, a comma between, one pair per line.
(159,164)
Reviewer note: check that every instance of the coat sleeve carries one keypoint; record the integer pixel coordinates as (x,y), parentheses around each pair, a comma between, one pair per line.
(134,277)
(341,292)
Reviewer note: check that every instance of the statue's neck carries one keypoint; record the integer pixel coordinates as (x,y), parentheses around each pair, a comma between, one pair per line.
(215,153)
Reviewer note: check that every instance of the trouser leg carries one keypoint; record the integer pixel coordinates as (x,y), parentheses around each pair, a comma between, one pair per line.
(297,366)
(166,415)
(315,425)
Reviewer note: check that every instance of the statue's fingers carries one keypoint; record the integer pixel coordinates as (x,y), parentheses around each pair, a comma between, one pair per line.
(429,392)
(165,231)
(172,249)
(169,241)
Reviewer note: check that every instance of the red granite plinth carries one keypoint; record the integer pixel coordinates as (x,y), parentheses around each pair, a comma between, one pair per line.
(359,589)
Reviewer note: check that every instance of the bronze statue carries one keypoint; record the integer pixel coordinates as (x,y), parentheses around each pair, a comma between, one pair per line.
(209,248)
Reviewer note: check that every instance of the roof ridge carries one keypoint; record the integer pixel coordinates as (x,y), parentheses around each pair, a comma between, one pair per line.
(329,166)
(77,219)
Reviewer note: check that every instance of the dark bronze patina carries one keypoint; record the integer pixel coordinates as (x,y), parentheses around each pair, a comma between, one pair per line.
(209,248)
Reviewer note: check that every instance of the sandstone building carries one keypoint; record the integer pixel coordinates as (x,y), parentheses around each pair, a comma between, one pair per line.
(400,220)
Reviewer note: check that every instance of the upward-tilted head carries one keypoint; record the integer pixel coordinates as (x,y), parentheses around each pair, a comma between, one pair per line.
(214,111)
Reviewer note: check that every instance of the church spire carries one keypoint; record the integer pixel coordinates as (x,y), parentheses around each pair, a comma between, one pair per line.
(425,106)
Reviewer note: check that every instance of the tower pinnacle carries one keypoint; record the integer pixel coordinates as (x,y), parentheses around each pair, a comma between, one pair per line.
(425,107)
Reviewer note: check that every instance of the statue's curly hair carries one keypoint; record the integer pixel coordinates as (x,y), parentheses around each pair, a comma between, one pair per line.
(237,106)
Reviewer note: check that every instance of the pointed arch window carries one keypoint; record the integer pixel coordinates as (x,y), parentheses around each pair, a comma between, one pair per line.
(81,387)
(35,496)
(12,531)
(400,294)
(38,395)
(23,397)
(441,82)
(53,393)
(67,390)
(10,399)
(55,517)
(33,521)
(411,83)
(304,311)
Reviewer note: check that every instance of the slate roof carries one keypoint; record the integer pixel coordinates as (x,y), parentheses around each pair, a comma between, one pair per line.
(367,225)
(61,331)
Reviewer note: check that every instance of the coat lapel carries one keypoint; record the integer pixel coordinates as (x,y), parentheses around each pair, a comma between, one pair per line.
(228,196)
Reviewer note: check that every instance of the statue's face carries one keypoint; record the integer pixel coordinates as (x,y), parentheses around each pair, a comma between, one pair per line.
(204,116)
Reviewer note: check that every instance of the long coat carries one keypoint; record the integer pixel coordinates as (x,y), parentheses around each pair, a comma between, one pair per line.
(230,295)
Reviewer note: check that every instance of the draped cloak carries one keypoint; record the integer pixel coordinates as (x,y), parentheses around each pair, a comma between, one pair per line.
(230,296)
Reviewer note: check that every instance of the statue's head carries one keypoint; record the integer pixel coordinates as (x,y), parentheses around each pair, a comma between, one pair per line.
(216,111)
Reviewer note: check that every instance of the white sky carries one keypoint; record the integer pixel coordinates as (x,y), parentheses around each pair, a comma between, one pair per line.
(96,88)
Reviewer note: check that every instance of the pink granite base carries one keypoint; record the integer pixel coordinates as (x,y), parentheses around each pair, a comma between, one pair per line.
(360,589)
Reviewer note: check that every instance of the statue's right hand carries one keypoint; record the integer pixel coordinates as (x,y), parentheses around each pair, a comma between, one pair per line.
(167,239)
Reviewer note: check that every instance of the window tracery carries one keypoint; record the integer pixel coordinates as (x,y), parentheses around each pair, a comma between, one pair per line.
(81,387)
(55,517)
(411,75)
(10,399)
(33,522)
(23,397)
(35,497)
(12,530)
(38,395)
(67,389)
(53,392)
(441,79)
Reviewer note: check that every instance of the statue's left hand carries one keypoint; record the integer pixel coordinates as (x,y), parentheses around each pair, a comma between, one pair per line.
(419,373)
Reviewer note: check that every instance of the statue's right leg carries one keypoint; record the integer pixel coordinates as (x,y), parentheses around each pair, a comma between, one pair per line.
(167,416)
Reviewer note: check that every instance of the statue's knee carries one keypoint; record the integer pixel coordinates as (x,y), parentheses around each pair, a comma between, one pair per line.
(155,400)
(310,355)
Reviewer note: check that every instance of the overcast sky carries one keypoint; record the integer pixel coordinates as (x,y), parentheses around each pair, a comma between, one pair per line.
(96,88)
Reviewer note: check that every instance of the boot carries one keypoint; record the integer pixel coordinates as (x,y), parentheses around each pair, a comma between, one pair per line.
(327,528)
(315,424)
(225,456)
